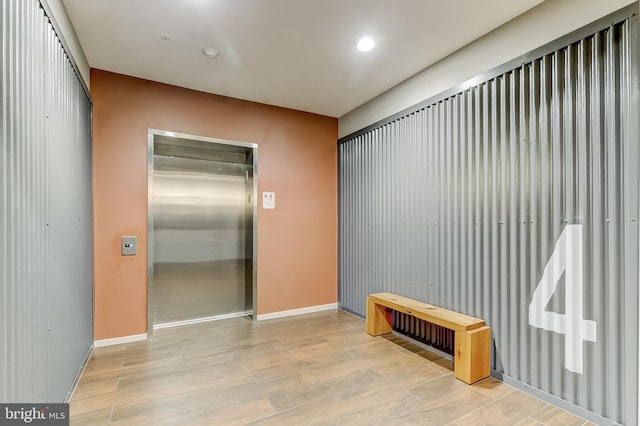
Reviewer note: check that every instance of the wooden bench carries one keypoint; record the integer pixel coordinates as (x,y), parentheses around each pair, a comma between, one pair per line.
(472,339)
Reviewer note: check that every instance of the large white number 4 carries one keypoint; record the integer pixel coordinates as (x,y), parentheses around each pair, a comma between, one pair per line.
(567,258)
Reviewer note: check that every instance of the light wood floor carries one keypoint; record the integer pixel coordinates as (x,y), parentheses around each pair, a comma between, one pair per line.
(319,368)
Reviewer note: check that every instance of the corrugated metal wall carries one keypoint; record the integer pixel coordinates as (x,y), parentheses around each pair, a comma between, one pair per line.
(46,261)
(515,201)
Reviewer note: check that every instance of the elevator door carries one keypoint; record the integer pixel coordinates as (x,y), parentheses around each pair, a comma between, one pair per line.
(201,235)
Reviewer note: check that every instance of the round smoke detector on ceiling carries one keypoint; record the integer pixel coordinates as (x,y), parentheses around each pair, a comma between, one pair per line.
(165,38)
(210,52)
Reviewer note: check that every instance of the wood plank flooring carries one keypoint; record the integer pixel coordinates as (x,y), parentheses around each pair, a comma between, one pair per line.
(315,369)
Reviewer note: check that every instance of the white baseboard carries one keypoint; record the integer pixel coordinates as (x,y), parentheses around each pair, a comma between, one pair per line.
(299,311)
(119,340)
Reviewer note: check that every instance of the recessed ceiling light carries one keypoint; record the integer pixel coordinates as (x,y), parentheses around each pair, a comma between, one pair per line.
(210,52)
(365,44)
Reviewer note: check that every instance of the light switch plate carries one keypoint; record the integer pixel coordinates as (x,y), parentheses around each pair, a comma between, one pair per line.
(128,246)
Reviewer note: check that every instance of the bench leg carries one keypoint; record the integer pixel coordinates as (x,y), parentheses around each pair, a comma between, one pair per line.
(471,356)
(378,321)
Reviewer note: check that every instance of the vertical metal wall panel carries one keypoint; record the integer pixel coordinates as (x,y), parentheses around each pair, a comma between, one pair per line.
(45,211)
(4,312)
(468,204)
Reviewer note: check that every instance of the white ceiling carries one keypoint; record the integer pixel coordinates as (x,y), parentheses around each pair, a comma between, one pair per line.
(298,54)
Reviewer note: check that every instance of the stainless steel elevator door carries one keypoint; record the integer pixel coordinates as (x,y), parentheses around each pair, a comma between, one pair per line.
(199,238)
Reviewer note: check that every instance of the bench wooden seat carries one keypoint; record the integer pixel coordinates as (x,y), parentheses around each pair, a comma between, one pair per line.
(472,341)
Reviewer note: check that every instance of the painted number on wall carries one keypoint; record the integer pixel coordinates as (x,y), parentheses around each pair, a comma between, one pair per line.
(566,258)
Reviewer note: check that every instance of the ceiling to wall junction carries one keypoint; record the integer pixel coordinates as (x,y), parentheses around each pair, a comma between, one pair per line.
(299,54)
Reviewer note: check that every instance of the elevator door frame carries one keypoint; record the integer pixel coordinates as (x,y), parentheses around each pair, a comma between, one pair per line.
(152,135)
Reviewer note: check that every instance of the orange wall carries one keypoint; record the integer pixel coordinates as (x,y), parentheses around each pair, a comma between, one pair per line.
(297,159)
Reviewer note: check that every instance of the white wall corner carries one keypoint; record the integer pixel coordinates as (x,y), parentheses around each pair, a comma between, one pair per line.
(541,25)
(69,35)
